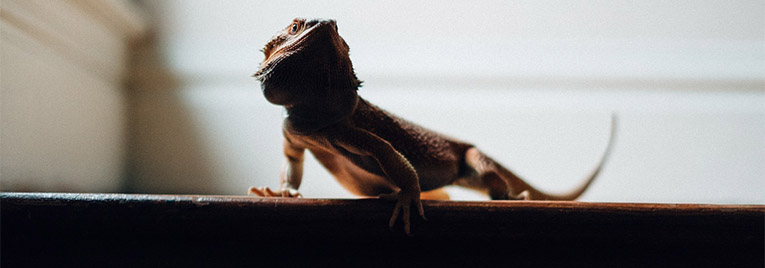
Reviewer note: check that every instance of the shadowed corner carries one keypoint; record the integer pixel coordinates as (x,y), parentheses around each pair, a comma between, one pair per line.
(165,152)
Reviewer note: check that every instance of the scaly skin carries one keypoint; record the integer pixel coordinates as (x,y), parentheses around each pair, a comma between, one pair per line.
(368,150)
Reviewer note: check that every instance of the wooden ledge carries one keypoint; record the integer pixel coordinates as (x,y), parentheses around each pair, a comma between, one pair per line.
(40,229)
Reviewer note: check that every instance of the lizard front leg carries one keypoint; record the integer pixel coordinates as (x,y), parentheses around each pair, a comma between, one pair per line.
(396,167)
(291,174)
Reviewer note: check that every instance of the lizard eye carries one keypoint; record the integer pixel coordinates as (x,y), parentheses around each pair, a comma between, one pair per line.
(294,28)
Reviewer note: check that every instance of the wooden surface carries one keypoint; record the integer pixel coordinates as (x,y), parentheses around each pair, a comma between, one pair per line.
(108,230)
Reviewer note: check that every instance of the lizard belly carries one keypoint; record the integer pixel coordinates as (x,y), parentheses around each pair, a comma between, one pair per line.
(352,177)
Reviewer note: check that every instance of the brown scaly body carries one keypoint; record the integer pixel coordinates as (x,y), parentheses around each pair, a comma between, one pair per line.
(368,150)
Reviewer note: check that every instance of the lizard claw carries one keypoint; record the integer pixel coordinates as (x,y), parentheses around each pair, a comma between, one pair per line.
(267,192)
(404,202)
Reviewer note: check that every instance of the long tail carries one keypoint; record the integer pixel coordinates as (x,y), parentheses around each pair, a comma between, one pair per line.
(525,191)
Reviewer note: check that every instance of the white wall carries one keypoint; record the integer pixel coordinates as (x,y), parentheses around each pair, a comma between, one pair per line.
(533,83)
(62,109)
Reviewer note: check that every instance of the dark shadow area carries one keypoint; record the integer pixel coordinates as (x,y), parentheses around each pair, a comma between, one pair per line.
(75,230)
(166,152)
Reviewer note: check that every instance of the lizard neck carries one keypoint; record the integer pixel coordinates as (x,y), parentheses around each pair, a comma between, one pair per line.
(306,119)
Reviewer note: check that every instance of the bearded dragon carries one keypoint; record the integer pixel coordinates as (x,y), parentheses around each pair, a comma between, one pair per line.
(371,152)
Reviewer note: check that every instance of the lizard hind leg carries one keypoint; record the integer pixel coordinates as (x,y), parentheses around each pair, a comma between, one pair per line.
(488,177)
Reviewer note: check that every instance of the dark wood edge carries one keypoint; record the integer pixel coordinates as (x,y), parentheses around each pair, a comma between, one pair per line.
(109,230)
(115,198)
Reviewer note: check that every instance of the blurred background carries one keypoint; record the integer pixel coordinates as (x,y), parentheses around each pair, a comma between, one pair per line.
(157,96)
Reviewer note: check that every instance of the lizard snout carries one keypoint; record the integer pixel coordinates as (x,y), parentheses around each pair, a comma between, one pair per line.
(321,22)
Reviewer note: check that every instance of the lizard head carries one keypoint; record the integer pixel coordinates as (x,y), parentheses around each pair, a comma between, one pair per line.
(307,63)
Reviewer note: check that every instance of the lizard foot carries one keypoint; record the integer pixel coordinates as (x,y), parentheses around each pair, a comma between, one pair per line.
(404,202)
(267,192)
(522,196)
